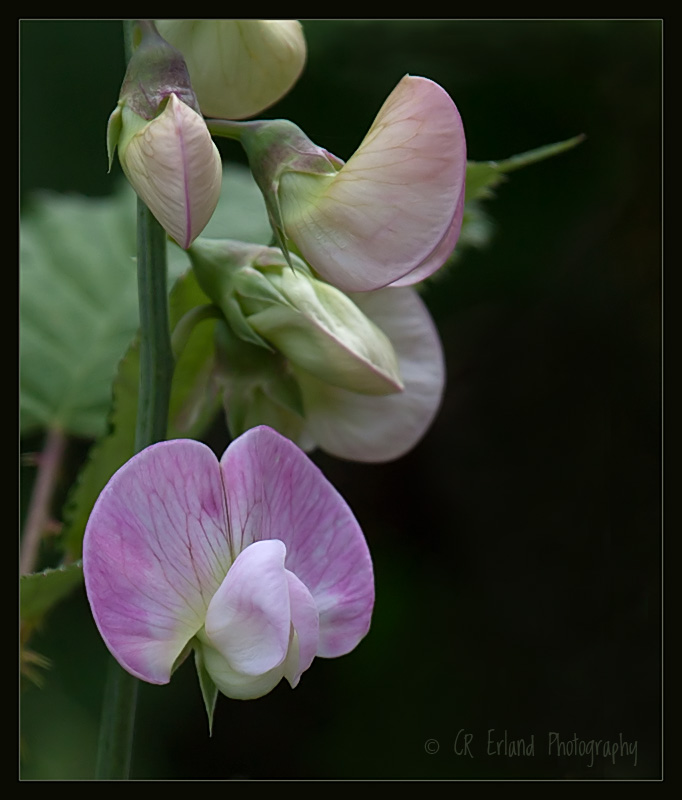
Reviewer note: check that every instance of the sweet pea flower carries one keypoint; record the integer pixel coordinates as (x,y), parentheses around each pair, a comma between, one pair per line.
(373,429)
(391,215)
(238,67)
(164,146)
(312,323)
(255,562)
(361,376)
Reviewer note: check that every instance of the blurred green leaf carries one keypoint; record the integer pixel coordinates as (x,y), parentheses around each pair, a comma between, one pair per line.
(481,179)
(483,176)
(78,296)
(41,590)
(193,404)
(77,308)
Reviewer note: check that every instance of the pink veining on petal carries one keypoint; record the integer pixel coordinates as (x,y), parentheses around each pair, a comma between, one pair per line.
(394,203)
(189,238)
(155,552)
(176,169)
(275,492)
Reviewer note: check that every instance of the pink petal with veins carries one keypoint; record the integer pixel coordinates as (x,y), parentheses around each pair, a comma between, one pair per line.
(275,492)
(393,203)
(176,169)
(155,552)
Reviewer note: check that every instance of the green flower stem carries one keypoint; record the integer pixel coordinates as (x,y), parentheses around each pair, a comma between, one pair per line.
(156,374)
(227,128)
(156,356)
(183,329)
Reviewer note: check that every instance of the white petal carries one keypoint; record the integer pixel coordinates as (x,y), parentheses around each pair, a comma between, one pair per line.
(376,429)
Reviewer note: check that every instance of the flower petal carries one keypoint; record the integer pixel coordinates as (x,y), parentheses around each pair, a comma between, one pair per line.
(306,622)
(390,207)
(155,551)
(440,255)
(319,328)
(376,429)
(275,492)
(238,67)
(231,683)
(176,169)
(249,620)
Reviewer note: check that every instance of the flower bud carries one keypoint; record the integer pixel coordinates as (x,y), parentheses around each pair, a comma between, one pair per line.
(238,67)
(164,146)
(313,324)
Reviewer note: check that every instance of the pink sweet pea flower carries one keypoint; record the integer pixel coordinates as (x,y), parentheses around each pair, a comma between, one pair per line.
(255,561)
(393,213)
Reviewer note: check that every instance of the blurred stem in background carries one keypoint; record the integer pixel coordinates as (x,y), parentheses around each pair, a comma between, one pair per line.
(38,516)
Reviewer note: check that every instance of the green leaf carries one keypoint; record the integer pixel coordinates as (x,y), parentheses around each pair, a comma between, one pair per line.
(105,456)
(209,691)
(78,296)
(483,176)
(77,308)
(41,590)
(194,395)
(193,404)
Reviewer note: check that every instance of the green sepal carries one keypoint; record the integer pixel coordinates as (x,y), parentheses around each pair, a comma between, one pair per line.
(259,387)
(223,268)
(274,148)
(209,691)
(252,284)
(114,127)
(237,320)
(155,70)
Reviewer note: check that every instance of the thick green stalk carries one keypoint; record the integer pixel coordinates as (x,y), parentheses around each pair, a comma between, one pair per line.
(156,373)
(156,355)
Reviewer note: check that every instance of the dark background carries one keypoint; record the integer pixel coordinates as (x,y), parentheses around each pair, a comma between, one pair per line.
(517,549)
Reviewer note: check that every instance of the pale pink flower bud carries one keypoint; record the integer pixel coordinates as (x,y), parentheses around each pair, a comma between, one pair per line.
(238,67)
(174,166)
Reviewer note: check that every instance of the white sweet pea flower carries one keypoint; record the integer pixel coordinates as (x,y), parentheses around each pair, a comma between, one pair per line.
(238,67)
